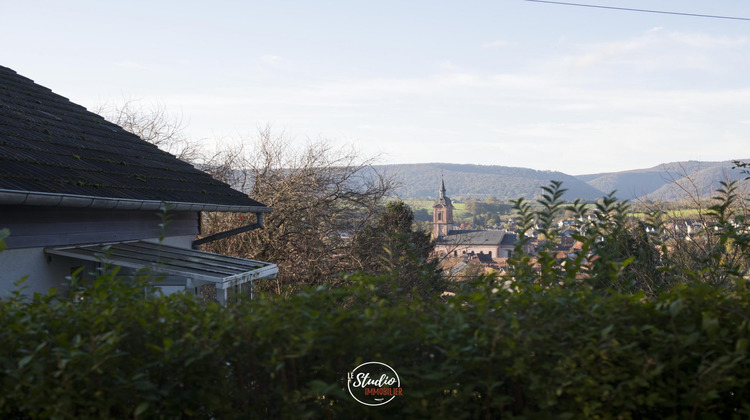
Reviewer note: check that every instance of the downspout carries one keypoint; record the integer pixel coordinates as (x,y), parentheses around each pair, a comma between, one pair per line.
(221,235)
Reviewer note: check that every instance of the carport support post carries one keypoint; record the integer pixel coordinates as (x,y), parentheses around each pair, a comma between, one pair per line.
(192,287)
(221,294)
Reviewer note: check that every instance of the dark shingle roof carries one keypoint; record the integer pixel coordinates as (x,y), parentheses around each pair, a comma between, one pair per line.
(474,237)
(52,146)
(509,239)
(442,199)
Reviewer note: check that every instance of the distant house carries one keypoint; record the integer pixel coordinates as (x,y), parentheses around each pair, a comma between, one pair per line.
(77,191)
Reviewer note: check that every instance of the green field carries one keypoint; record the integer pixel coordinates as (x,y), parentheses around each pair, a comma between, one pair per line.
(681,213)
(459,211)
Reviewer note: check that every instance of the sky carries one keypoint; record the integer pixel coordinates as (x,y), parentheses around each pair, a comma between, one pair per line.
(504,82)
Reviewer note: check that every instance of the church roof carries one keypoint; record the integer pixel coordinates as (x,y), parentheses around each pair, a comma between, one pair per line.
(442,199)
(477,238)
(54,152)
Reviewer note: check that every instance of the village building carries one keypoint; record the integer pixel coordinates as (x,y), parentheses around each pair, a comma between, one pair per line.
(78,193)
(487,245)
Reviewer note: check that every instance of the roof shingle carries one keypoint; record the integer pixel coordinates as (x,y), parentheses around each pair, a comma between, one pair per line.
(476,237)
(50,145)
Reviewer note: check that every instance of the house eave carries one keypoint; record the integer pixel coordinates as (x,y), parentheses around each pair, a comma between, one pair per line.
(35,198)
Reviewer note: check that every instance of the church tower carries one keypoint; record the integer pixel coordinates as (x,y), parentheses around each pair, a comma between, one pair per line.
(442,214)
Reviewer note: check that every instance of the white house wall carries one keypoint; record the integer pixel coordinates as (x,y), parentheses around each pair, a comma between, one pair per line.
(185,241)
(32,227)
(43,271)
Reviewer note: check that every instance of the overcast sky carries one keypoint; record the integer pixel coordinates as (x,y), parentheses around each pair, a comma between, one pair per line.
(504,82)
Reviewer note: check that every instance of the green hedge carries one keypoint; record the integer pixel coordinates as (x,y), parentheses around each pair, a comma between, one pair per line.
(623,330)
(110,352)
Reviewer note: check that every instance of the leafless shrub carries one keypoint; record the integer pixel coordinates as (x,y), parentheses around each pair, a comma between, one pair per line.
(321,196)
(154,124)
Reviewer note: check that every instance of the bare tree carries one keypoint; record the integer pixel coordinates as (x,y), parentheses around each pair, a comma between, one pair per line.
(321,197)
(154,124)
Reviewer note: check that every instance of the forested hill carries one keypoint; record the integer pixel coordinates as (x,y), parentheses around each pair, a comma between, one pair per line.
(480,181)
(666,182)
(661,182)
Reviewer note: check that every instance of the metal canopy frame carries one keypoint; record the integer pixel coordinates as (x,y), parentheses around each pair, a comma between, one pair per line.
(197,267)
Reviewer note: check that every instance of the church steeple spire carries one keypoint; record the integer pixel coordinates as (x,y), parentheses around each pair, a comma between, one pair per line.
(442,213)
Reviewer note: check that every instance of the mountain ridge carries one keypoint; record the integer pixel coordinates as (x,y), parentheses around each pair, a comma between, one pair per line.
(664,182)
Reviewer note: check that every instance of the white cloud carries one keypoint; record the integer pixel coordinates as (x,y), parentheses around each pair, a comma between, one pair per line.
(585,107)
(656,50)
(518,122)
(703,41)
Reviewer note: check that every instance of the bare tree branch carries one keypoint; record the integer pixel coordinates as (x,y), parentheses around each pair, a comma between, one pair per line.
(155,125)
(320,197)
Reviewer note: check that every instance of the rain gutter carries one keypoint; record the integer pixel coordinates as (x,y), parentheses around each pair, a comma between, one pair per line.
(35,198)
